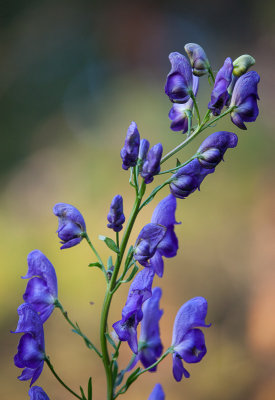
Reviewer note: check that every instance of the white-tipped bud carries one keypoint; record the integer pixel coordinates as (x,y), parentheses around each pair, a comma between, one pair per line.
(242,64)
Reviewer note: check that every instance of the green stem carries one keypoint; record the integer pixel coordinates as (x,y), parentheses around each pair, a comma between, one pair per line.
(117,239)
(87,341)
(125,387)
(179,166)
(85,235)
(193,97)
(47,360)
(109,294)
(211,74)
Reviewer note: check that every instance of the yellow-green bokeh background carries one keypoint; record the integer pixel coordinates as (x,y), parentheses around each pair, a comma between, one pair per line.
(74,74)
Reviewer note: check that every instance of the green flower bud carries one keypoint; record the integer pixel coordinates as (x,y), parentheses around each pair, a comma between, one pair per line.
(242,64)
(197,58)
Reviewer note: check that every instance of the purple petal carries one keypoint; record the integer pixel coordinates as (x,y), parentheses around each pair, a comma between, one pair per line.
(192,348)
(37,393)
(71,243)
(178,369)
(29,352)
(164,213)
(157,393)
(156,263)
(180,78)
(147,241)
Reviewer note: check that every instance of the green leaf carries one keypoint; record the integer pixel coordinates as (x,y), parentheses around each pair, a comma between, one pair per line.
(90,389)
(109,262)
(132,274)
(82,393)
(129,256)
(110,243)
(132,377)
(95,264)
(110,340)
(178,163)
(115,369)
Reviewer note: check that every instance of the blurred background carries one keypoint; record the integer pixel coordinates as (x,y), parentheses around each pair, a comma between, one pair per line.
(74,74)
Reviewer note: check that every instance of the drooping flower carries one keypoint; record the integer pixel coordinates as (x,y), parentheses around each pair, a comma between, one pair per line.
(31,347)
(219,95)
(188,342)
(180,79)
(179,113)
(37,393)
(157,393)
(197,58)
(212,149)
(140,290)
(41,291)
(71,225)
(129,153)
(151,165)
(244,99)
(147,242)
(115,216)
(164,215)
(150,346)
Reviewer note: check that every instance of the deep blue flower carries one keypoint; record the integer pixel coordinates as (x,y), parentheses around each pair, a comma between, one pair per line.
(31,347)
(197,58)
(157,393)
(115,216)
(179,112)
(41,291)
(188,179)
(129,153)
(37,393)
(147,242)
(140,290)
(164,215)
(219,95)
(143,150)
(214,146)
(188,342)
(244,99)
(151,165)
(180,79)
(71,225)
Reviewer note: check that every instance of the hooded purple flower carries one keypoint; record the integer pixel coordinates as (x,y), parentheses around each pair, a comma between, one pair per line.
(150,346)
(179,112)
(140,290)
(244,98)
(164,215)
(214,146)
(129,153)
(116,216)
(188,179)
(179,80)
(151,165)
(188,341)
(31,347)
(197,58)
(143,150)
(147,242)
(71,225)
(37,393)
(219,95)
(157,393)
(41,291)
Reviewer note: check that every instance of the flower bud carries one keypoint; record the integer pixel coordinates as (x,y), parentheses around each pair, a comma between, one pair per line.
(179,80)
(242,64)
(197,58)
(143,150)
(115,216)
(151,165)
(129,153)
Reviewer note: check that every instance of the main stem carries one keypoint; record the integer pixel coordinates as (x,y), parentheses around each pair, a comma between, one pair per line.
(108,295)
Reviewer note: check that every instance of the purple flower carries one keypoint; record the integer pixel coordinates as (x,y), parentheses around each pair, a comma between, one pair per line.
(179,112)
(188,179)
(150,346)
(140,290)
(157,393)
(164,215)
(116,216)
(219,95)
(143,150)
(188,341)
(244,99)
(129,153)
(37,393)
(179,80)
(41,291)
(214,146)
(31,347)
(71,225)
(147,242)
(197,58)
(151,165)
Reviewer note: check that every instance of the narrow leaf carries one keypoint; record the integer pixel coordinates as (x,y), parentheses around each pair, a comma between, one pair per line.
(109,262)
(90,389)
(132,377)
(129,256)
(178,163)
(82,393)
(95,264)
(110,243)
(132,274)
(110,340)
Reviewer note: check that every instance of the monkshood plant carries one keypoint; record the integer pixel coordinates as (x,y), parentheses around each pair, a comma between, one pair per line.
(234,93)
